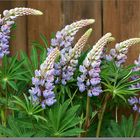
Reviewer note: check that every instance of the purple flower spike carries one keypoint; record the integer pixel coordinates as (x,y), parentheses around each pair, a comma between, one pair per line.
(120,51)
(65,69)
(136,68)
(90,79)
(135,103)
(6,23)
(43,82)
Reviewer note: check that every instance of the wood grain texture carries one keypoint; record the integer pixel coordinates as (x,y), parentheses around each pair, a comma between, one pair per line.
(49,22)
(19,42)
(81,9)
(122,19)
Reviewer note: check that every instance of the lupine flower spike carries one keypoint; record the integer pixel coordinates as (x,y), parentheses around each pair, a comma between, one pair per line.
(135,103)
(68,61)
(65,37)
(43,82)
(89,79)
(136,68)
(6,23)
(119,52)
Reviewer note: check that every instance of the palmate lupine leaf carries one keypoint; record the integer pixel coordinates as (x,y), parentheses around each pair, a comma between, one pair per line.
(62,121)
(117,80)
(12,72)
(27,108)
(37,56)
(124,129)
(14,129)
(32,63)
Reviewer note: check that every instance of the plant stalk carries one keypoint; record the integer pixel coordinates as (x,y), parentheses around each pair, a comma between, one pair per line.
(101,114)
(87,123)
(116,114)
(3,118)
(136,119)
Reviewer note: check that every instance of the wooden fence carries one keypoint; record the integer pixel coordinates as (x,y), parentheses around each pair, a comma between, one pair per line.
(120,17)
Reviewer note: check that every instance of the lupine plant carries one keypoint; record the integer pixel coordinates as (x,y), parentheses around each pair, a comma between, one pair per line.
(67,88)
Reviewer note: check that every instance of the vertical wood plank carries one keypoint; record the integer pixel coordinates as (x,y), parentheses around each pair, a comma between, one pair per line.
(18,41)
(122,19)
(4,5)
(20,34)
(49,22)
(82,9)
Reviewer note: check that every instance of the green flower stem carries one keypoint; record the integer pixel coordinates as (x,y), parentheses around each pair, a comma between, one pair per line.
(101,114)
(4,110)
(116,114)
(3,117)
(87,115)
(136,119)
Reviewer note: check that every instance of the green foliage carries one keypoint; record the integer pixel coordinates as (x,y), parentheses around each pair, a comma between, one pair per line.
(20,117)
(116,81)
(11,73)
(33,62)
(27,107)
(37,56)
(62,121)
(125,128)
(15,129)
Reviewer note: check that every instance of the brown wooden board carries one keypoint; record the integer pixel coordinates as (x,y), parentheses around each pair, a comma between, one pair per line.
(49,22)
(81,9)
(122,19)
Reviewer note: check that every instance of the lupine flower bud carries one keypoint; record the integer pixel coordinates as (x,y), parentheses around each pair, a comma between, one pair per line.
(6,23)
(21,11)
(49,62)
(69,61)
(65,37)
(89,79)
(119,53)
(135,103)
(43,82)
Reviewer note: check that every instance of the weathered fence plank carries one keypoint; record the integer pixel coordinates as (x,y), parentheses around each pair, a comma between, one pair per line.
(19,42)
(19,38)
(122,19)
(49,22)
(82,9)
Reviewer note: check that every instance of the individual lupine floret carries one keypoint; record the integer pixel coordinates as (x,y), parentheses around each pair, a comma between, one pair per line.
(135,103)
(135,69)
(90,79)
(65,37)
(64,70)
(119,52)
(43,82)
(6,23)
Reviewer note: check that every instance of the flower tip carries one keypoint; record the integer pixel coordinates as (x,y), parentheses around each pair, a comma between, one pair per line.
(109,34)
(139,40)
(91,21)
(88,32)
(39,12)
(111,39)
